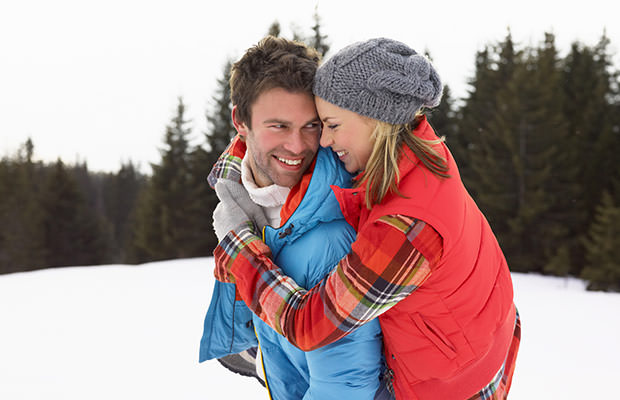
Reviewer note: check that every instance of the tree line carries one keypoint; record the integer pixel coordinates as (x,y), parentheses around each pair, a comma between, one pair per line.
(538,144)
(536,137)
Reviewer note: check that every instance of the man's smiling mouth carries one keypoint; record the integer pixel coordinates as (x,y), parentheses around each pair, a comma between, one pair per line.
(289,162)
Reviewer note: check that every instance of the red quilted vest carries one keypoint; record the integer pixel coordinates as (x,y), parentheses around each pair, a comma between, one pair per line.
(450,337)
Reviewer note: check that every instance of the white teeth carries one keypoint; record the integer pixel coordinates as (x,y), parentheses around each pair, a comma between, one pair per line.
(289,162)
(341,153)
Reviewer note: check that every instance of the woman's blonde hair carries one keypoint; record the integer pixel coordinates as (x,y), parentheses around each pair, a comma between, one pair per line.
(381,174)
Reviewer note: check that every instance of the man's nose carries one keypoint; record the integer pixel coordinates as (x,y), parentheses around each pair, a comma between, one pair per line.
(295,143)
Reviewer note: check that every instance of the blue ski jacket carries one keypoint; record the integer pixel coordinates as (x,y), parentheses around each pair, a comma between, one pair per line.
(306,246)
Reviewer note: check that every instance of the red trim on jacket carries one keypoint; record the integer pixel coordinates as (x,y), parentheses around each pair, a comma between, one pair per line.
(296,194)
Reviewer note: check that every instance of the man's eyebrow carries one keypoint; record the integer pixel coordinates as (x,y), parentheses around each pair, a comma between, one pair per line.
(285,122)
(275,121)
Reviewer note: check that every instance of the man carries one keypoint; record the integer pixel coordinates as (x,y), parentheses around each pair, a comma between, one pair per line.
(277,158)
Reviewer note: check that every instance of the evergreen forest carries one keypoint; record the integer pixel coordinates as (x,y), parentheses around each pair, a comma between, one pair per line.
(536,137)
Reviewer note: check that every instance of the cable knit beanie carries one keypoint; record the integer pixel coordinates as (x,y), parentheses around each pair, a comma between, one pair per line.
(379,78)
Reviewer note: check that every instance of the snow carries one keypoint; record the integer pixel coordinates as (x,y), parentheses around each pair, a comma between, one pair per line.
(132,332)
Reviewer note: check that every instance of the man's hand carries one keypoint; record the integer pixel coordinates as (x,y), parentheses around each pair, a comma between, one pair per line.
(235,209)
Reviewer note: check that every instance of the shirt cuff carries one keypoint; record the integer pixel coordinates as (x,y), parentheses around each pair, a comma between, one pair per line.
(228,249)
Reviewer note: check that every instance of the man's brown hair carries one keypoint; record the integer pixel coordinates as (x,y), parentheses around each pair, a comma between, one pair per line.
(272,63)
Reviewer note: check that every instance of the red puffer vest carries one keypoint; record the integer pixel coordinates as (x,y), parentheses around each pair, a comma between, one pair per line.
(450,337)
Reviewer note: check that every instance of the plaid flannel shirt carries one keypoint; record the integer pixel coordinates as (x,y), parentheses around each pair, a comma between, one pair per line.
(389,260)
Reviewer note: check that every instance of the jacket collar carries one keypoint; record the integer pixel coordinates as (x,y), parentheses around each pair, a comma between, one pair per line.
(228,166)
(312,203)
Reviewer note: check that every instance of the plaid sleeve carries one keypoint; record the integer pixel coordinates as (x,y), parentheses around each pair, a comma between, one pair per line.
(389,260)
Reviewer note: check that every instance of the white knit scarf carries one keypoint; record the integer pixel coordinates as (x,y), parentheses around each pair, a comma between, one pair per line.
(270,198)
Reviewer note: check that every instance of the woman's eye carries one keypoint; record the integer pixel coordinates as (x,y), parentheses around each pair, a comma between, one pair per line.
(332,126)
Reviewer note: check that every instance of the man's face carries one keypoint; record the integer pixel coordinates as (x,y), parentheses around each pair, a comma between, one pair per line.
(284,137)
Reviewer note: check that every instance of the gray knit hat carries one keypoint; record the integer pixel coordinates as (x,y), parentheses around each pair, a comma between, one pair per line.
(379,78)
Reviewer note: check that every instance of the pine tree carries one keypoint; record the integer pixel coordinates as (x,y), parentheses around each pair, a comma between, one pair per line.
(203,205)
(499,160)
(587,87)
(74,234)
(146,228)
(5,184)
(471,118)
(546,175)
(220,129)
(442,117)
(590,88)
(274,29)
(551,167)
(318,40)
(602,270)
(487,125)
(607,145)
(22,244)
(120,193)
(164,229)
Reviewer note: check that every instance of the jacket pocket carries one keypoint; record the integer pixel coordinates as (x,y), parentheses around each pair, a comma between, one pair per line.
(417,350)
(432,333)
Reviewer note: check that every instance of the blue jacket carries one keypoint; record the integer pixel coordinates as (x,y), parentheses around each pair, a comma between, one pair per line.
(307,246)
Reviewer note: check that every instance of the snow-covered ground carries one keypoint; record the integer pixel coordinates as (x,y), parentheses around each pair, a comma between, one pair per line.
(132,332)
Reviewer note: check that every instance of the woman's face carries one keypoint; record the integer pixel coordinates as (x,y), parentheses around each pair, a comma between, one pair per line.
(347,133)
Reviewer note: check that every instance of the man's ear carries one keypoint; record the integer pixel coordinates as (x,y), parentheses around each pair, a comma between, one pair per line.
(241,127)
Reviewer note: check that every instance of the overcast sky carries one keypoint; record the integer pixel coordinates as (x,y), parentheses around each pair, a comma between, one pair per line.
(99,80)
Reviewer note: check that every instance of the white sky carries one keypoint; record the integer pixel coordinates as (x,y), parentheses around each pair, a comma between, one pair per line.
(99,80)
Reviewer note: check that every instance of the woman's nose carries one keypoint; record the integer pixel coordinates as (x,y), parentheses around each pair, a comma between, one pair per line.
(326,139)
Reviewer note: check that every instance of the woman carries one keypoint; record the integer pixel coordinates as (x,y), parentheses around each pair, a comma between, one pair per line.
(425,261)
